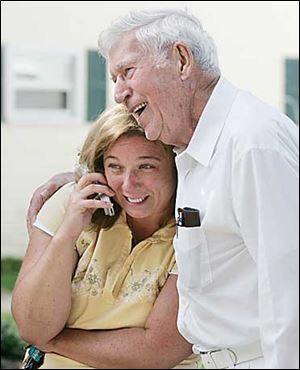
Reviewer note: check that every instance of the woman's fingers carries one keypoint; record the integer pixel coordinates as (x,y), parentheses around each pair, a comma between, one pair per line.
(96,189)
(95,203)
(93,177)
(94,183)
(88,191)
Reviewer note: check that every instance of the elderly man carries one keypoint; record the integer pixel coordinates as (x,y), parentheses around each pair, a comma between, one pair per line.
(237,198)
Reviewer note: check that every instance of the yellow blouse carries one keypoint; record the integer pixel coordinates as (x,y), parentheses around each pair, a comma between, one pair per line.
(114,286)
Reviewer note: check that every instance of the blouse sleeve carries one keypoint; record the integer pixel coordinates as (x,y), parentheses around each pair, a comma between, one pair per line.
(174,270)
(52,213)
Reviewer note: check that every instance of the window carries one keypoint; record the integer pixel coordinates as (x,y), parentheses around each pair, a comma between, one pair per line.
(42,85)
(292,89)
(96,89)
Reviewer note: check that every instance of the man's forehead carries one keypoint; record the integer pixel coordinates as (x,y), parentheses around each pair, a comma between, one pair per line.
(125,51)
(123,63)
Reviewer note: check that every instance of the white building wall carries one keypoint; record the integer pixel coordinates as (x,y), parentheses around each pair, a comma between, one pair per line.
(253,39)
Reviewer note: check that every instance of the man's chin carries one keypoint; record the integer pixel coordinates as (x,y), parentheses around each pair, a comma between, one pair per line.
(151,136)
(152,133)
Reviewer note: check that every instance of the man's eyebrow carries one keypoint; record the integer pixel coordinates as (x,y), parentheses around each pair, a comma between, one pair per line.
(122,64)
(119,67)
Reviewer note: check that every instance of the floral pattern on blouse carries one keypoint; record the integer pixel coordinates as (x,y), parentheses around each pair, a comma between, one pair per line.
(88,279)
(141,287)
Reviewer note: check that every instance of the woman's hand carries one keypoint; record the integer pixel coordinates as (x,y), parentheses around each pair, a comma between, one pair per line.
(82,204)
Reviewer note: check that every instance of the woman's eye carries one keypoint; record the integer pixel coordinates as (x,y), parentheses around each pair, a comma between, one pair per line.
(147,166)
(114,167)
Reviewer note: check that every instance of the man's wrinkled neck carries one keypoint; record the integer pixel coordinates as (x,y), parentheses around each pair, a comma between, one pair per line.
(204,90)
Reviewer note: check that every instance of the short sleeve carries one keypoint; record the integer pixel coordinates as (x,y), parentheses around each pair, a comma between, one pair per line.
(52,213)
(174,270)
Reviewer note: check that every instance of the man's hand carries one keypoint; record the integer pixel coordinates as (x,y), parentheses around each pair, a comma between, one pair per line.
(44,192)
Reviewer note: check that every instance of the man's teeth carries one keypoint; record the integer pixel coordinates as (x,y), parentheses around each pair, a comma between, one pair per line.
(136,200)
(140,106)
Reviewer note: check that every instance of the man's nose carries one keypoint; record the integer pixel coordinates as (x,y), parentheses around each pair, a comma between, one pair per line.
(121,91)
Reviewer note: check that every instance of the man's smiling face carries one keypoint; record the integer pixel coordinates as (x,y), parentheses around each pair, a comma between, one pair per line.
(151,92)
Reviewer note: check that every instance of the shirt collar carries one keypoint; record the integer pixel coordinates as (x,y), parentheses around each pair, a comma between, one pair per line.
(211,122)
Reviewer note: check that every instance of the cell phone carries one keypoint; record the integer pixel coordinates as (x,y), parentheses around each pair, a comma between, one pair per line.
(188,217)
(107,211)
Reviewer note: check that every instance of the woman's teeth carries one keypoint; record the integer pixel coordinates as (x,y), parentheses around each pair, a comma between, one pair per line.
(135,200)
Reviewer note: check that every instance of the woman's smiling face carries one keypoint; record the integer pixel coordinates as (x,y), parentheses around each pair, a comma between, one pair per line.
(142,175)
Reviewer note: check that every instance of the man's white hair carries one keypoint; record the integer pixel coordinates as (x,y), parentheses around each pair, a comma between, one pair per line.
(156,30)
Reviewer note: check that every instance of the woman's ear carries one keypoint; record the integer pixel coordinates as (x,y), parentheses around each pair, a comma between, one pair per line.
(184,59)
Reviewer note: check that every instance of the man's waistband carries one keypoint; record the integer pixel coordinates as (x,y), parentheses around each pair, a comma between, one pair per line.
(223,358)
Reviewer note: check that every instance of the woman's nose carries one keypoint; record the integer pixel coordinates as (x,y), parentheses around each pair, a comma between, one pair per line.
(130,182)
(121,91)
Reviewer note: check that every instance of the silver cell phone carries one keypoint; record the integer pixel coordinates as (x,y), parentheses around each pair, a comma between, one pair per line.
(107,211)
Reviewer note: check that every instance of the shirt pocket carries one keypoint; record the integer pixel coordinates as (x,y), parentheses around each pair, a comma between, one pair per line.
(193,258)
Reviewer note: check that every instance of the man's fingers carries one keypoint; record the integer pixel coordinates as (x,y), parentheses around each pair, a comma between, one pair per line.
(45,195)
(28,224)
(35,205)
(31,216)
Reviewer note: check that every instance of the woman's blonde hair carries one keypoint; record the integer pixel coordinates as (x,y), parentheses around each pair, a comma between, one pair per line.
(111,125)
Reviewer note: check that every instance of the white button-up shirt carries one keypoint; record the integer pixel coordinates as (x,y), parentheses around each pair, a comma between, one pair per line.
(239,271)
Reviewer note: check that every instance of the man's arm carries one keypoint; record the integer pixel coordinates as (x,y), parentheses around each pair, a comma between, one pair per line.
(44,192)
(266,187)
(158,345)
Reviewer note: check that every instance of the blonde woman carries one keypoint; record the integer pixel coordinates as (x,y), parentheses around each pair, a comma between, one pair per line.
(97,291)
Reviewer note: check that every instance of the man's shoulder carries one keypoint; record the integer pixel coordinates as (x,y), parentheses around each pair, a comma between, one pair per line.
(253,124)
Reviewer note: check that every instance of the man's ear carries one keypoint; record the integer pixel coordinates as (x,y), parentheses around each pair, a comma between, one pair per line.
(184,59)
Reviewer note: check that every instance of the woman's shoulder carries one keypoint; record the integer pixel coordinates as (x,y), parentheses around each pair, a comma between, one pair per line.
(65,189)
(61,196)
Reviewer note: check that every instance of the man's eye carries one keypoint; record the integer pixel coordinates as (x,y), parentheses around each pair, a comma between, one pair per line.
(128,71)
(113,79)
